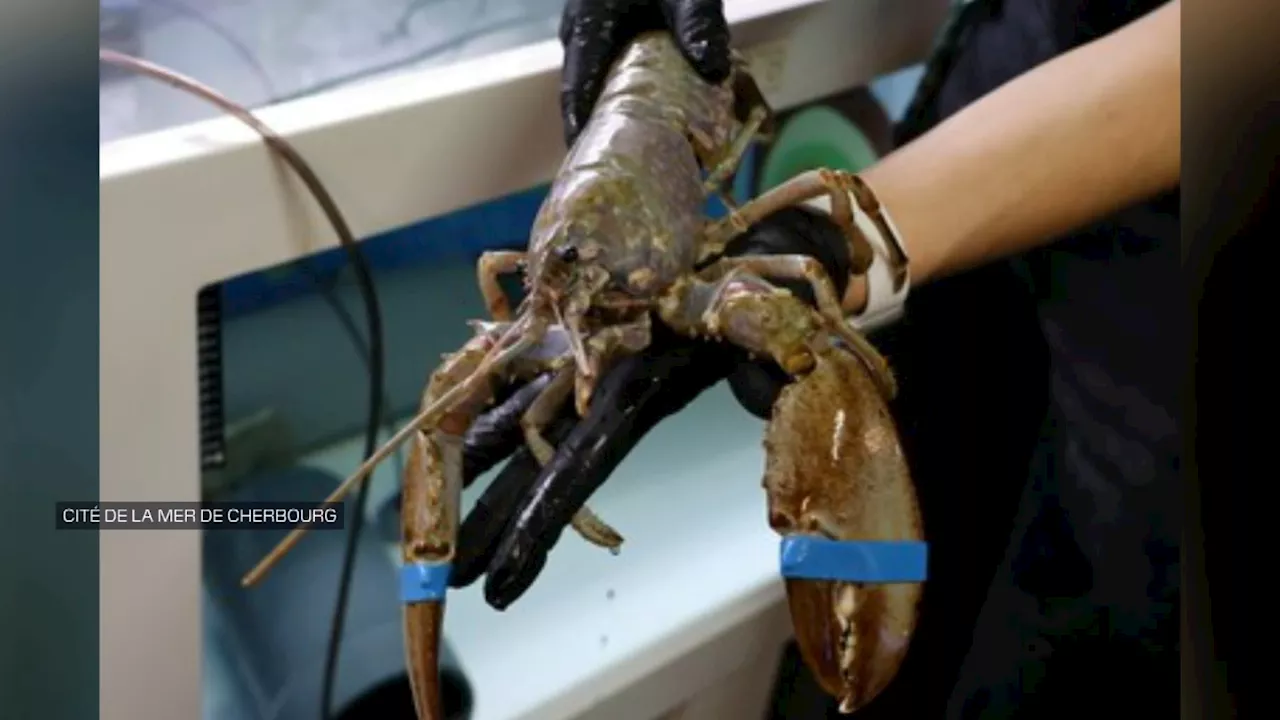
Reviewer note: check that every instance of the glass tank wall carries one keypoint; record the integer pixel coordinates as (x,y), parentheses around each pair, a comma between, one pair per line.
(294,394)
(260,52)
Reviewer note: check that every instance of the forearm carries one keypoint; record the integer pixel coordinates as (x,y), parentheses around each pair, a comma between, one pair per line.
(1071,141)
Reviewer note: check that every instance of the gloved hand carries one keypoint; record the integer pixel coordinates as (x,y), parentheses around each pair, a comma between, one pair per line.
(593,32)
(521,515)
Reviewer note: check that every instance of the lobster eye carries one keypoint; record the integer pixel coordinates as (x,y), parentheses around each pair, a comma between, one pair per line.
(567,253)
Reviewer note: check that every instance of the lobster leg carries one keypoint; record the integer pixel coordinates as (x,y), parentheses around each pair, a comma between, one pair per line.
(838,487)
(803,267)
(491,266)
(631,337)
(749,312)
(724,167)
(540,414)
(837,186)
(722,164)
(543,411)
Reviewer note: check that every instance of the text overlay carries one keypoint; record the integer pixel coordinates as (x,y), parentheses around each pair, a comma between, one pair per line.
(198,515)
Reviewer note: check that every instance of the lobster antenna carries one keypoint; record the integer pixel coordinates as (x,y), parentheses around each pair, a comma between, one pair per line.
(496,355)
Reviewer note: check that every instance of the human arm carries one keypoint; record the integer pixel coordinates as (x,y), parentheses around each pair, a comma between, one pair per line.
(1081,136)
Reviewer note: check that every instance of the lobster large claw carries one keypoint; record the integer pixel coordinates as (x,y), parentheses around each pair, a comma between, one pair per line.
(853,556)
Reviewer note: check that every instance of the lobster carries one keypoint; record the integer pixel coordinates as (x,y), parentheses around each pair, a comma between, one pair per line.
(621,240)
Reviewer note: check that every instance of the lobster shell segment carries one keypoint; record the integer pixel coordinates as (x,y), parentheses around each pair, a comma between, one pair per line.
(835,471)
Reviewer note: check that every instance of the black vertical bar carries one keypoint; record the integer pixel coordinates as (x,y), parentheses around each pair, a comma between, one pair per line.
(213,441)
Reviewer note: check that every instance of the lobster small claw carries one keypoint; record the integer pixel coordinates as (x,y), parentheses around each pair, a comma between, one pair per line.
(430,507)
(853,555)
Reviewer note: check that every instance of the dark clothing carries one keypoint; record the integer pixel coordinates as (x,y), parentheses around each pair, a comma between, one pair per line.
(1054,592)
(1083,611)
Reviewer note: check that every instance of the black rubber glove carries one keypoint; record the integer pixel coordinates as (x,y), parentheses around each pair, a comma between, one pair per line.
(521,515)
(594,32)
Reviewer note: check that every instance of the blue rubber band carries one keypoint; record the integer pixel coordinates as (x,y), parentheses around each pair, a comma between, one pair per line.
(424,582)
(805,557)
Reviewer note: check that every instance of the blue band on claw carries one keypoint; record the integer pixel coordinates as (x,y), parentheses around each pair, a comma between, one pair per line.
(424,582)
(805,557)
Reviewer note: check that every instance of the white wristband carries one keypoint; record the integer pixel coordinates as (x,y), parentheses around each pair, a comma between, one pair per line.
(885,302)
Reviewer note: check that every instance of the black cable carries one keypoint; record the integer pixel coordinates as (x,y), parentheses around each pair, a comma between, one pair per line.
(364,279)
(326,288)
(373,360)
